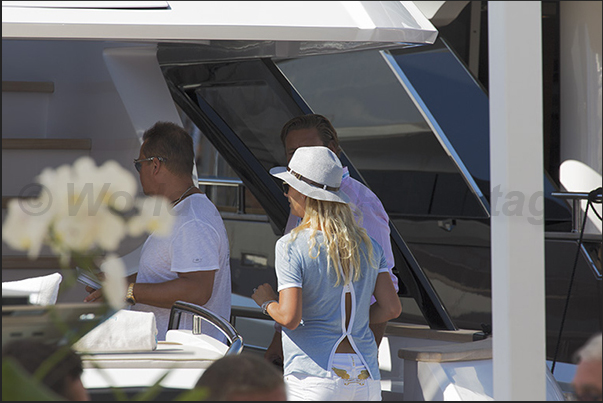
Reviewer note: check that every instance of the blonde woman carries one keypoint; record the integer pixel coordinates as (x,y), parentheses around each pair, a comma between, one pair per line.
(327,269)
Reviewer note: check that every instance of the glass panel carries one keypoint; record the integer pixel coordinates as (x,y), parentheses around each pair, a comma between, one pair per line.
(245,97)
(460,106)
(242,107)
(383,133)
(210,165)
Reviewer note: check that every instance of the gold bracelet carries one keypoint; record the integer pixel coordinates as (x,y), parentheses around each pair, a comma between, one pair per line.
(130,295)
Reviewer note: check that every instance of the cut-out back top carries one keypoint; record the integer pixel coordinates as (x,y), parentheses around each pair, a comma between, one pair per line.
(309,349)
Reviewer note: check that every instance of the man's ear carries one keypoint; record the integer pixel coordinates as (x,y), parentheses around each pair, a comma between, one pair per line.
(156,166)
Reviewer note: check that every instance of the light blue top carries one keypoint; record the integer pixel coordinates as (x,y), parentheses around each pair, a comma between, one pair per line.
(309,349)
(370,215)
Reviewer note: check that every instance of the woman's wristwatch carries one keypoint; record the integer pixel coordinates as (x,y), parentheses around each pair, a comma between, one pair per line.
(265,306)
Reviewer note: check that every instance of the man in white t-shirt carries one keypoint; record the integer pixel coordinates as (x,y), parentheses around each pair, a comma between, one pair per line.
(192,264)
(316,130)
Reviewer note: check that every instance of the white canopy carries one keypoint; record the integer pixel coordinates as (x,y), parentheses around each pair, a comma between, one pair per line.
(197,21)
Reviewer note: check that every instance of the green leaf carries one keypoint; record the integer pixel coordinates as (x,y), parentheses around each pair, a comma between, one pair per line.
(19,385)
(195,394)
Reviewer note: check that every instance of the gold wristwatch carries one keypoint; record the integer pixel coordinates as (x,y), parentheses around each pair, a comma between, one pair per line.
(130,295)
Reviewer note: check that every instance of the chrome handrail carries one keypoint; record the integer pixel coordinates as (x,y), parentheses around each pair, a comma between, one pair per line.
(220,181)
(571,195)
(235,340)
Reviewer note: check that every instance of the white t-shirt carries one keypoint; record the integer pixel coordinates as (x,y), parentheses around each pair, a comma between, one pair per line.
(198,242)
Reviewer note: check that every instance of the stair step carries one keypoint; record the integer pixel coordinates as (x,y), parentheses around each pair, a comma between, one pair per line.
(46,144)
(425,332)
(28,86)
(24,159)
(470,351)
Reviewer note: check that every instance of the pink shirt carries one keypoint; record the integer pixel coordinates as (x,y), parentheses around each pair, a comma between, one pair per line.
(374,218)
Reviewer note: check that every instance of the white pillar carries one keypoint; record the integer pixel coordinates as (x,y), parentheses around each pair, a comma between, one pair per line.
(516,175)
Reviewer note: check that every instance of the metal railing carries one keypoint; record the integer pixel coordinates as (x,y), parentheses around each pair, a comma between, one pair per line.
(235,341)
(228,182)
(577,212)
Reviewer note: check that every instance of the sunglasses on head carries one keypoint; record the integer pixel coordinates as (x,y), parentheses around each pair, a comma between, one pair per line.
(138,163)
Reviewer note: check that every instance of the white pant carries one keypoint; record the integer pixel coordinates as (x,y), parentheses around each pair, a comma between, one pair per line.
(350,381)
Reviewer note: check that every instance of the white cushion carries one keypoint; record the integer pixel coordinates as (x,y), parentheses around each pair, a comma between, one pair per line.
(42,290)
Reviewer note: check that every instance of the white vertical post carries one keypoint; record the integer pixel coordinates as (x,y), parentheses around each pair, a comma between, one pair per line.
(517,203)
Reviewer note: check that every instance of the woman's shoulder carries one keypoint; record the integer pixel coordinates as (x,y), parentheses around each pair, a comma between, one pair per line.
(296,236)
(376,246)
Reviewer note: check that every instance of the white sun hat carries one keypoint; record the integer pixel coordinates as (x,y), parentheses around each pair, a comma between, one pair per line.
(315,172)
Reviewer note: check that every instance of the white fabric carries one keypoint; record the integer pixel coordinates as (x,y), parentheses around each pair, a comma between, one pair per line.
(140,367)
(198,242)
(336,388)
(125,331)
(43,290)
(317,164)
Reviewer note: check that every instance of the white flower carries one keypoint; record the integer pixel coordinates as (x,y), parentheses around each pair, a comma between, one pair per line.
(71,233)
(24,230)
(111,230)
(121,189)
(83,209)
(54,189)
(82,198)
(114,283)
(103,230)
(155,216)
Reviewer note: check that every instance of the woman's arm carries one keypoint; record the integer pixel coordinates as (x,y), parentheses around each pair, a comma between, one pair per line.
(287,311)
(388,304)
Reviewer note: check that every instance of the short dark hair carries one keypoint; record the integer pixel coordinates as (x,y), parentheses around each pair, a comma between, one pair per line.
(172,142)
(326,131)
(239,374)
(30,354)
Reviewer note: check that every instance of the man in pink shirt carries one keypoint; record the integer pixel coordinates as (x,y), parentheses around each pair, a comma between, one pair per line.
(316,130)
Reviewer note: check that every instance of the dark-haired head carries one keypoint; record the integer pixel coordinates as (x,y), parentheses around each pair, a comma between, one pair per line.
(64,375)
(243,377)
(326,131)
(172,142)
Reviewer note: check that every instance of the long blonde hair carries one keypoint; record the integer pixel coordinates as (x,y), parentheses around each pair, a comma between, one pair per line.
(342,237)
